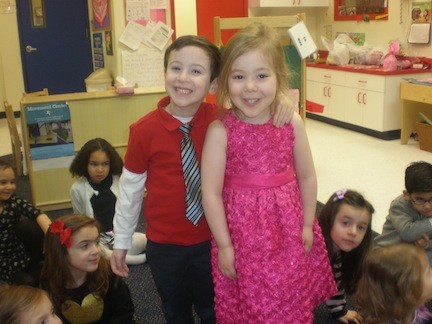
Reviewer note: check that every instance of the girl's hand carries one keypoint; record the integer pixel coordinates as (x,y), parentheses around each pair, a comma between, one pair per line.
(282,110)
(307,237)
(226,262)
(423,242)
(351,316)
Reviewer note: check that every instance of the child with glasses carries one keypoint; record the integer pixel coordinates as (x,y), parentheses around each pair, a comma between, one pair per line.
(410,215)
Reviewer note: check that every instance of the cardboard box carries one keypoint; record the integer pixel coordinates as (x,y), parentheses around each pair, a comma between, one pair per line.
(424,132)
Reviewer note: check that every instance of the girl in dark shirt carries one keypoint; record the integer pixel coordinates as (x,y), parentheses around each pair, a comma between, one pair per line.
(22,228)
(80,282)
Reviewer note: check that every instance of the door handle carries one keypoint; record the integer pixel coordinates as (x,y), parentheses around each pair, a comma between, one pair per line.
(30,49)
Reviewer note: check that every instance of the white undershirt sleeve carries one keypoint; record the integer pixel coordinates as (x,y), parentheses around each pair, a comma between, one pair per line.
(128,207)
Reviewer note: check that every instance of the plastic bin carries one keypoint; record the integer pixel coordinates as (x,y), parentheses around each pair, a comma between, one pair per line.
(99,80)
(314,107)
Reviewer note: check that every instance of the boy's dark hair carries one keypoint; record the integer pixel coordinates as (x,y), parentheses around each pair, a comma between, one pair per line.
(418,177)
(201,42)
(78,167)
(4,165)
(351,261)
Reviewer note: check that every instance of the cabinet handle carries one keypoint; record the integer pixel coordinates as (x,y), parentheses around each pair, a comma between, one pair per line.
(358,97)
(324,92)
(362,81)
(327,76)
(329,92)
(364,98)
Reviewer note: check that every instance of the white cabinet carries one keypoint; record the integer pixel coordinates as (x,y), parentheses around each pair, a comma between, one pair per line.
(364,108)
(326,87)
(288,3)
(364,100)
(371,103)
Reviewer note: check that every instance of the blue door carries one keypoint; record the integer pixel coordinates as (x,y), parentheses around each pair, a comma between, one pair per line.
(55,44)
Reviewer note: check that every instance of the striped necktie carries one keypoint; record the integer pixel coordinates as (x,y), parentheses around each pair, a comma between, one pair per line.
(192,178)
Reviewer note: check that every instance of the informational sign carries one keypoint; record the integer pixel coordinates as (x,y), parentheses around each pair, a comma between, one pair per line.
(49,130)
(98,56)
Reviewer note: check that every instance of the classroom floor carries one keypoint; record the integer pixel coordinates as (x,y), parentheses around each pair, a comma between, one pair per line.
(344,159)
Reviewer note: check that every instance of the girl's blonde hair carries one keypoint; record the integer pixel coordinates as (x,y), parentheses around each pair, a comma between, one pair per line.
(15,301)
(391,285)
(255,36)
(56,272)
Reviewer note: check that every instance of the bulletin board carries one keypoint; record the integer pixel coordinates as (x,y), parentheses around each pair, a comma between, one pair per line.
(141,11)
(144,66)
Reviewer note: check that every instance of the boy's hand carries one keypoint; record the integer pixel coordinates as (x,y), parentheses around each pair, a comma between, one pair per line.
(351,317)
(118,263)
(423,242)
(282,110)
(226,262)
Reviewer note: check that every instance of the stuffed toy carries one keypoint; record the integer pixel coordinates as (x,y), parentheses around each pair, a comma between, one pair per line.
(390,60)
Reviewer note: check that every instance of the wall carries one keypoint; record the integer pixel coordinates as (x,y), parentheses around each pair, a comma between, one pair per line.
(11,76)
(224,8)
(11,79)
(381,32)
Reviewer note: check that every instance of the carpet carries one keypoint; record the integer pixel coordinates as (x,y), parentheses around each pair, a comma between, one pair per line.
(140,281)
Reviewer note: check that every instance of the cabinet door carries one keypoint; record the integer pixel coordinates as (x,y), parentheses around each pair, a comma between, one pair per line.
(373,106)
(336,100)
(354,106)
(330,96)
(364,108)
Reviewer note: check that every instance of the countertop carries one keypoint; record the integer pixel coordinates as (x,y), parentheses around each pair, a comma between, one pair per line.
(373,69)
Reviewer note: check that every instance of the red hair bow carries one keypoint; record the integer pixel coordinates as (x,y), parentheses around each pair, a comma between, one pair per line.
(58,227)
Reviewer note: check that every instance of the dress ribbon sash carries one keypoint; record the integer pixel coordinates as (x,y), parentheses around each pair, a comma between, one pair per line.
(261,181)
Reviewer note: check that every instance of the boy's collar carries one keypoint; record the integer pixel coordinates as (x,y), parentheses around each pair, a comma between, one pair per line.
(171,123)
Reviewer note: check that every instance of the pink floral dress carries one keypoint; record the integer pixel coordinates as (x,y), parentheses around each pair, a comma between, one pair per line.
(277,282)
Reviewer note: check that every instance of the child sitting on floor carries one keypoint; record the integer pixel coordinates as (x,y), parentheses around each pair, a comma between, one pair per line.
(78,280)
(25,304)
(396,282)
(95,193)
(346,224)
(22,228)
(410,214)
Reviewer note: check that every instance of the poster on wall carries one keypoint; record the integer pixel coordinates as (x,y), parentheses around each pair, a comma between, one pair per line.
(50,135)
(108,42)
(101,15)
(421,11)
(98,56)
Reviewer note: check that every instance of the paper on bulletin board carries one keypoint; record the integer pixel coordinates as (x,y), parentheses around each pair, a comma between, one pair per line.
(144,67)
(142,11)
(7,7)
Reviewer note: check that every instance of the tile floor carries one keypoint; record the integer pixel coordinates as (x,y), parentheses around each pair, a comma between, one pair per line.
(344,159)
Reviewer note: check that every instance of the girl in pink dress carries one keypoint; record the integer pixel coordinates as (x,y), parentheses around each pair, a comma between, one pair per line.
(269,259)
